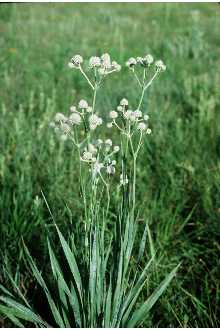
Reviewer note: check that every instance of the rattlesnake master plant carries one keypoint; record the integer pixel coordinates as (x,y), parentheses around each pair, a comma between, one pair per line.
(104,276)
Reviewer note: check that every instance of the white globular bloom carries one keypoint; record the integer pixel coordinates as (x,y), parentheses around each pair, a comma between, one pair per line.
(116,66)
(59,117)
(76,60)
(87,156)
(139,59)
(94,62)
(75,118)
(141,126)
(149,59)
(102,71)
(97,167)
(148,131)
(127,114)
(92,149)
(89,109)
(124,102)
(106,61)
(63,137)
(83,104)
(146,117)
(138,113)
(120,108)
(160,66)
(72,108)
(108,142)
(132,116)
(109,125)
(110,169)
(52,124)
(123,180)
(65,128)
(113,114)
(131,62)
(116,148)
(99,142)
(94,121)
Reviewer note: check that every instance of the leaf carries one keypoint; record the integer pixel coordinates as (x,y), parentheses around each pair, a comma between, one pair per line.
(22,311)
(71,261)
(141,314)
(63,287)
(39,278)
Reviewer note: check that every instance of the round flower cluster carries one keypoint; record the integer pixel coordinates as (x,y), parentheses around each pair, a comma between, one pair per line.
(135,118)
(145,62)
(100,156)
(76,61)
(104,64)
(82,113)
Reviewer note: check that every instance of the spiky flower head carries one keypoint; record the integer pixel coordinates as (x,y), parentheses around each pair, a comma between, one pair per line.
(124,102)
(83,104)
(141,126)
(113,114)
(75,62)
(94,62)
(160,66)
(75,118)
(131,62)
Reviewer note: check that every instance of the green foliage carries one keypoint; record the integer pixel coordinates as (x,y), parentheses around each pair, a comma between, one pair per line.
(178,175)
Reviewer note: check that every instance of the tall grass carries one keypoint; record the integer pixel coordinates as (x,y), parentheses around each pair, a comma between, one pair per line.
(177,172)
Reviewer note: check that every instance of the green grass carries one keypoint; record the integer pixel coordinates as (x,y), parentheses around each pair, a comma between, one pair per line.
(178,175)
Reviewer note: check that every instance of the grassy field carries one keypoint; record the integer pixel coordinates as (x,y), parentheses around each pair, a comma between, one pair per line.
(179,169)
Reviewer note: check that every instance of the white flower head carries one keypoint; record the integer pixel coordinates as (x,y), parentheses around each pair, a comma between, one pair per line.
(110,169)
(92,149)
(102,71)
(131,62)
(87,156)
(63,137)
(120,108)
(99,142)
(52,124)
(97,167)
(72,108)
(94,121)
(59,117)
(138,113)
(108,142)
(94,62)
(160,66)
(83,104)
(65,128)
(146,117)
(76,60)
(148,131)
(141,126)
(116,148)
(89,109)
(116,66)
(132,116)
(109,125)
(124,102)
(139,59)
(127,114)
(123,180)
(75,118)
(106,61)
(113,114)
(149,59)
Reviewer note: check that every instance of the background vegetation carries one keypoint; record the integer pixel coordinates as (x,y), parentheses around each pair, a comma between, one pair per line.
(178,174)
